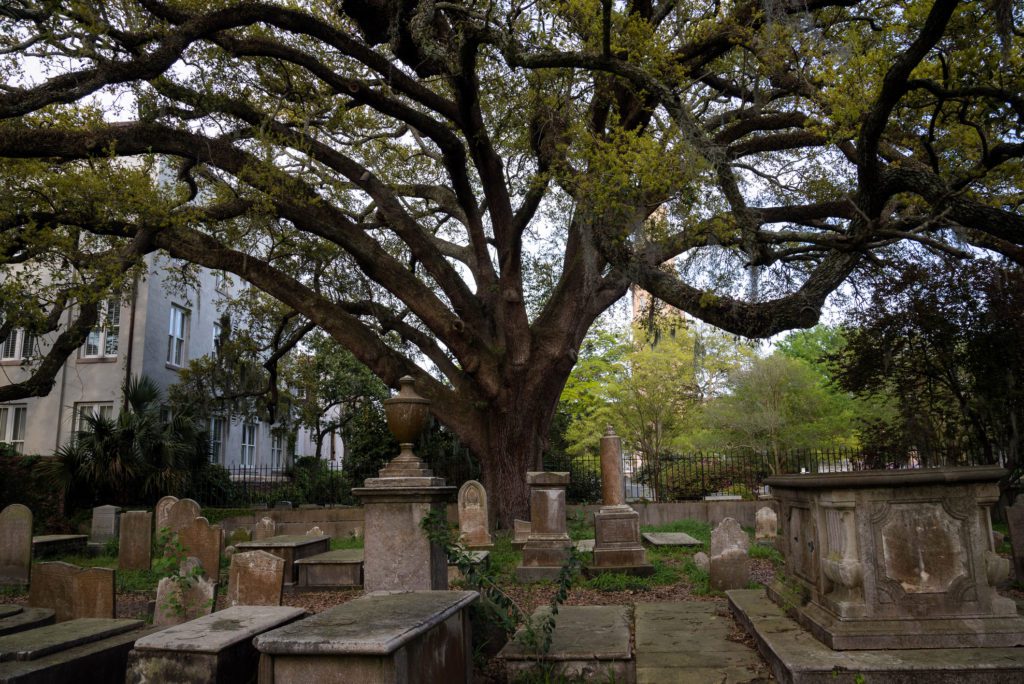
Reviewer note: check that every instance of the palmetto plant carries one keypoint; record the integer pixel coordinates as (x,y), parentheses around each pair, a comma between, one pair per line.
(131,458)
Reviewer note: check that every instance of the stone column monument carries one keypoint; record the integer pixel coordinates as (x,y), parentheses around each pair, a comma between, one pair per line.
(617,546)
(397,555)
(547,547)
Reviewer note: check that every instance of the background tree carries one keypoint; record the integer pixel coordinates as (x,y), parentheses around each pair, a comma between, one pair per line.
(384,169)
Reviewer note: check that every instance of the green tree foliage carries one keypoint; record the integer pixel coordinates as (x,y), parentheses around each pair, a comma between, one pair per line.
(945,341)
(133,458)
(457,191)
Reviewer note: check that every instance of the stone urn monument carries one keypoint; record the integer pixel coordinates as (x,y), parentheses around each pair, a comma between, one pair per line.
(397,555)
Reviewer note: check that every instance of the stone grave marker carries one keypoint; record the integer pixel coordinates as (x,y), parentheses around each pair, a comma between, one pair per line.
(182,513)
(201,540)
(264,529)
(1015,520)
(767,525)
(183,598)
(256,578)
(162,511)
(104,524)
(473,526)
(15,544)
(72,592)
(314,531)
(701,560)
(520,532)
(135,548)
(547,547)
(729,563)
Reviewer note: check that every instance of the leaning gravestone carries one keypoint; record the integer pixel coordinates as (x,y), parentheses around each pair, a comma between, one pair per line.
(181,514)
(72,592)
(729,564)
(264,529)
(162,511)
(473,524)
(15,544)
(201,540)
(135,548)
(767,525)
(104,524)
(1015,520)
(256,578)
(185,597)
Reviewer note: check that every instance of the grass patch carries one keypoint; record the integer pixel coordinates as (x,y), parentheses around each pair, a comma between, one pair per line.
(767,552)
(578,527)
(82,561)
(215,515)
(700,581)
(349,542)
(664,574)
(137,580)
(504,557)
(13,591)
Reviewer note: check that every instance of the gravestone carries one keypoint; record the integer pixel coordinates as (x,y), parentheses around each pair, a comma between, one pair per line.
(162,511)
(202,540)
(183,598)
(701,560)
(767,525)
(314,531)
(729,563)
(617,546)
(135,548)
(15,544)
(1015,520)
(548,545)
(256,578)
(104,524)
(182,513)
(72,592)
(520,532)
(473,525)
(265,529)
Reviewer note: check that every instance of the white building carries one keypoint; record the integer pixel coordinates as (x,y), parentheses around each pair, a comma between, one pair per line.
(155,331)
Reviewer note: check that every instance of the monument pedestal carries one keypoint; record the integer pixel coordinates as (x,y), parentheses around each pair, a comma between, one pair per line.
(397,555)
(617,546)
(547,547)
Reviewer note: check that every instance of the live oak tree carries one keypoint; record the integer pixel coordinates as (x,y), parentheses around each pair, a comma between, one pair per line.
(455,190)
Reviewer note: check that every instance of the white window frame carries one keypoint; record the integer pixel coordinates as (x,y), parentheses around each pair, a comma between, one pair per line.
(218,436)
(277,450)
(13,423)
(104,340)
(248,450)
(177,336)
(104,409)
(9,346)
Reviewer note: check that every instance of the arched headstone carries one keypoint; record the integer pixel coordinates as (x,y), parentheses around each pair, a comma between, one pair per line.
(473,526)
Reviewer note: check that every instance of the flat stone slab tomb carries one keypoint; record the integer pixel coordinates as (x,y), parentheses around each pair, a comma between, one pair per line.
(590,643)
(670,539)
(51,545)
(331,570)
(19,618)
(88,649)
(794,655)
(382,637)
(215,648)
(291,547)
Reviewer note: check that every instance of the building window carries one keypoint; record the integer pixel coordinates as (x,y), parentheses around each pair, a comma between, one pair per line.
(276,450)
(248,445)
(176,337)
(103,339)
(95,409)
(12,426)
(218,430)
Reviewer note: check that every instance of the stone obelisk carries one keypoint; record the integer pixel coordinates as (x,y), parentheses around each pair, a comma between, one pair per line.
(617,547)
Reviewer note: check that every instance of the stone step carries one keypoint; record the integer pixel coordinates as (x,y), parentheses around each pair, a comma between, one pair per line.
(104,660)
(333,569)
(688,643)
(215,648)
(36,643)
(589,642)
(19,618)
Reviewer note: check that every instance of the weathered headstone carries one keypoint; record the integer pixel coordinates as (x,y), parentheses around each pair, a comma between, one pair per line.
(264,529)
(104,524)
(256,578)
(520,532)
(548,546)
(767,525)
(185,597)
(314,531)
(162,512)
(701,560)
(473,527)
(1015,521)
(182,513)
(72,592)
(135,548)
(729,562)
(202,540)
(15,544)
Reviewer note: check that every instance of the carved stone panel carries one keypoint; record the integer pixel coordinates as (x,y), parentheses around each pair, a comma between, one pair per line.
(922,548)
